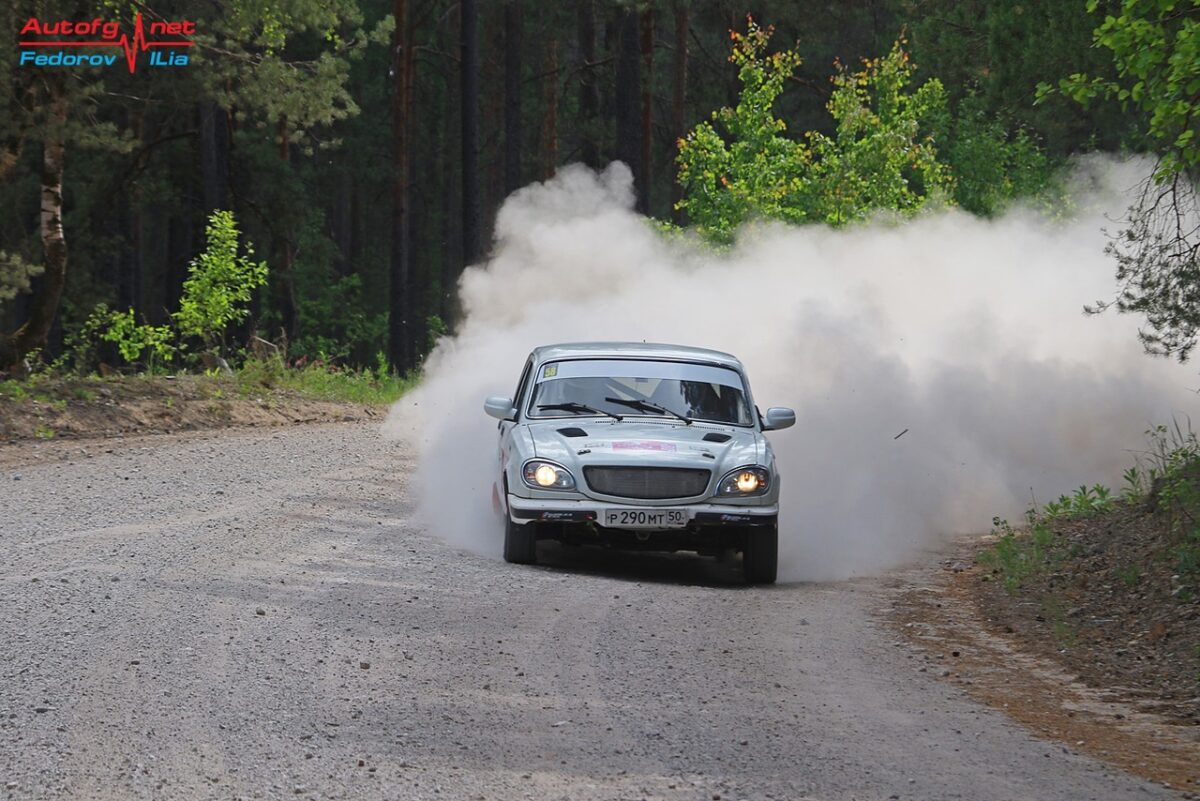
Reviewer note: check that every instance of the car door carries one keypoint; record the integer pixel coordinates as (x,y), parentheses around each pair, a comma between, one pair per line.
(506,426)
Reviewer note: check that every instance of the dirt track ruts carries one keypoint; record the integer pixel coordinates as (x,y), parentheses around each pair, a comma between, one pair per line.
(253,615)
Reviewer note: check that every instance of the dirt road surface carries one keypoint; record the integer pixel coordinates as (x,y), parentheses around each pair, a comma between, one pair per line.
(254,615)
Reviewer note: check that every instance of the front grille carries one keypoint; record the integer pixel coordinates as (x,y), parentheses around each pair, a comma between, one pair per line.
(647,483)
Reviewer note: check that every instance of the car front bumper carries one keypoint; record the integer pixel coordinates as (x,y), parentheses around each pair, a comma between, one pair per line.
(527,510)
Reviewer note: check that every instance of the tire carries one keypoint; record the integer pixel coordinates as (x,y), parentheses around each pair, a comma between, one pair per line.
(760,556)
(520,543)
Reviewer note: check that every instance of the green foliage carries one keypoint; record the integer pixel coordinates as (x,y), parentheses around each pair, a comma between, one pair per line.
(215,294)
(1171,479)
(1017,557)
(437,329)
(220,283)
(289,63)
(1155,45)
(1135,484)
(321,380)
(1086,502)
(15,274)
(132,339)
(880,157)
(13,390)
(1176,492)
(335,321)
(754,169)
(992,166)
(994,53)
(81,343)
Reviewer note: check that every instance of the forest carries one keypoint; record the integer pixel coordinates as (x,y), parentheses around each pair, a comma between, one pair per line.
(314,175)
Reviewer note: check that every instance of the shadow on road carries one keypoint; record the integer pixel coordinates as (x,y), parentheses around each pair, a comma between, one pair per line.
(644,566)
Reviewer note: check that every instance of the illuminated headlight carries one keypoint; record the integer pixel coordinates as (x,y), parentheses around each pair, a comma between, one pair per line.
(546,475)
(745,481)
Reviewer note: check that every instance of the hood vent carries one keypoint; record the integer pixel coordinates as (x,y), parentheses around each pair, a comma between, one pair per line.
(572,432)
(716,436)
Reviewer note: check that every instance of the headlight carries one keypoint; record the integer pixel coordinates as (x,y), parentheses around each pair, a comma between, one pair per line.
(745,481)
(546,475)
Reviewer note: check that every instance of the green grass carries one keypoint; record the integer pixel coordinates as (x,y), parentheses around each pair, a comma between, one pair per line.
(1168,474)
(255,379)
(13,390)
(378,387)
(1019,556)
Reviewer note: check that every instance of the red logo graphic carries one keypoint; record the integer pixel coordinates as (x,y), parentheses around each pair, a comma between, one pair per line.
(106,34)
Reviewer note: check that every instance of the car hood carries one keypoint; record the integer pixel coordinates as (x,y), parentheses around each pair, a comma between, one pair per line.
(662,443)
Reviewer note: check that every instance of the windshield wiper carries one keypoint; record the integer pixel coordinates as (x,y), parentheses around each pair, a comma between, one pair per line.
(648,406)
(572,406)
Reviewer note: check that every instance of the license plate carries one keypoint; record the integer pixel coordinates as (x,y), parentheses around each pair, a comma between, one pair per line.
(645,518)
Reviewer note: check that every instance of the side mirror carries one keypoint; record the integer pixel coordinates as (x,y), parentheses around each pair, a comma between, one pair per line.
(778,417)
(500,407)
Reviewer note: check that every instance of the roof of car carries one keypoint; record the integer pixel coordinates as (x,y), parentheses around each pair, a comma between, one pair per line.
(649,350)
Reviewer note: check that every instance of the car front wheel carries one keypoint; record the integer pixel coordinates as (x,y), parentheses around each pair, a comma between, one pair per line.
(520,543)
(760,555)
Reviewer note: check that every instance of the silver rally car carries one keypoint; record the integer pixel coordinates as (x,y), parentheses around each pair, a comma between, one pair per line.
(635,445)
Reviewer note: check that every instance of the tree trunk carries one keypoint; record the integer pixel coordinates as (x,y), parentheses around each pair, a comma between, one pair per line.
(469,28)
(181,246)
(629,93)
(214,157)
(342,215)
(399,302)
(550,120)
(643,178)
(289,306)
(43,306)
(589,92)
(451,259)
(678,98)
(512,95)
(129,285)
(419,269)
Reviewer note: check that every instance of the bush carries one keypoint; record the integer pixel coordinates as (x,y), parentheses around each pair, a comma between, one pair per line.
(133,339)
(219,284)
(881,156)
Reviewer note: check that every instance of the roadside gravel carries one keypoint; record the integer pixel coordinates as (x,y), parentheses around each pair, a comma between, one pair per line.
(254,615)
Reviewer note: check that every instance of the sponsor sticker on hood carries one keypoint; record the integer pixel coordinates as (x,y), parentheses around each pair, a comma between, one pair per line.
(643,445)
(633,445)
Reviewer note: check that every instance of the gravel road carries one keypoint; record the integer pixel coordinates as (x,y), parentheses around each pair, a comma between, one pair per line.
(253,615)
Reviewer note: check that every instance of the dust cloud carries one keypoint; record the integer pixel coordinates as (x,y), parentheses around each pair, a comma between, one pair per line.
(966,334)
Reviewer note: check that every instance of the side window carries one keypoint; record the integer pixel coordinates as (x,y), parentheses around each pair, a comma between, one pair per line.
(522,385)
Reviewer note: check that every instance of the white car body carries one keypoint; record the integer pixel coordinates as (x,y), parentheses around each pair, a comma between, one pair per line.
(650,479)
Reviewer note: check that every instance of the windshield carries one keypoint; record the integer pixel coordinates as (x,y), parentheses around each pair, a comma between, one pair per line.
(638,388)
